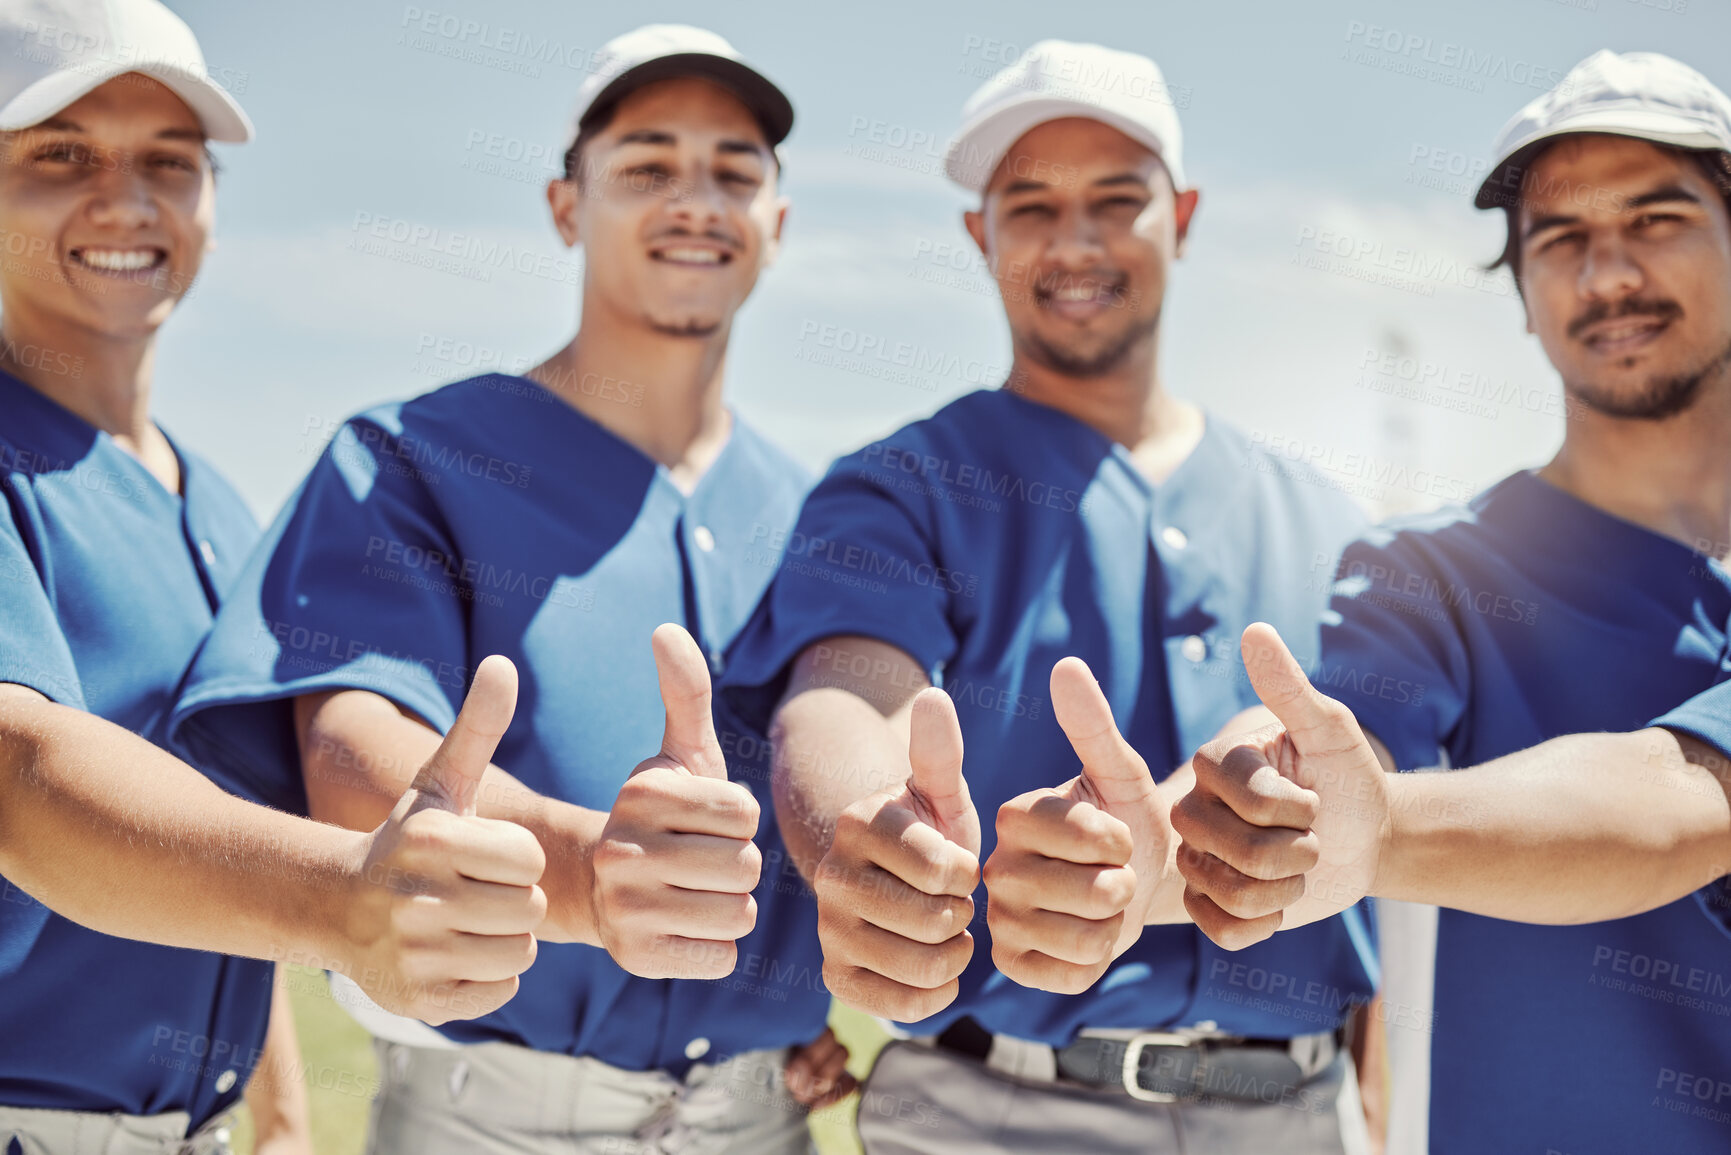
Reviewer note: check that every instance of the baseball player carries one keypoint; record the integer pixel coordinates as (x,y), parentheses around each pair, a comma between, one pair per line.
(1083,510)
(116,545)
(1588,595)
(557,517)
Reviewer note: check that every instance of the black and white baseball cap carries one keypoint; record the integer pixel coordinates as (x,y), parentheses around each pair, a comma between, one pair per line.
(1645,95)
(664,51)
(54,52)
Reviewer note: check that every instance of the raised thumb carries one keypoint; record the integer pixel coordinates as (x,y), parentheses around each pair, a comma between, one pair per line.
(689,737)
(451,778)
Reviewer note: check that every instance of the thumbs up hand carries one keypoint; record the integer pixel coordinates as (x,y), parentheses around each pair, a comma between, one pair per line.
(894,892)
(1076,868)
(443,905)
(1286,824)
(675,865)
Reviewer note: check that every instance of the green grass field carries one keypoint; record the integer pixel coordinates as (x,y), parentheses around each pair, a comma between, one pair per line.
(338,1058)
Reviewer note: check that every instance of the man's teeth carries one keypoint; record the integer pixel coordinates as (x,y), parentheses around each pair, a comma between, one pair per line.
(118,260)
(692,256)
(1618,332)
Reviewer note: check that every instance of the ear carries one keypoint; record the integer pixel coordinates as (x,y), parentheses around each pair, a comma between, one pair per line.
(1183,208)
(564,198)
(974,221)
(772,240)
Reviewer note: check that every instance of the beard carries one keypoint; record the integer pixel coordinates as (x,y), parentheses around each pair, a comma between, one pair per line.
(1074,362)
(688,328)
(1661,397)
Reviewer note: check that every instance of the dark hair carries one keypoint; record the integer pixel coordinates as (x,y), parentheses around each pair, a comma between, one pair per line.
(1715,165)
(596,122)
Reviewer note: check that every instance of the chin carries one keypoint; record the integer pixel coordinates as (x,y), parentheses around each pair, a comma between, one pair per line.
(687,325)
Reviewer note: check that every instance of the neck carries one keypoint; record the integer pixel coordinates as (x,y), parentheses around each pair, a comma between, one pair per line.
(1671,476)
(104,379)
(1127,404)
(661,394)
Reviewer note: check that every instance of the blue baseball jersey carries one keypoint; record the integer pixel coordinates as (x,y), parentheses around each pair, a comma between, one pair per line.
(1707,716)
(490,517)
(1000,535)
(1461,636)
(108,582)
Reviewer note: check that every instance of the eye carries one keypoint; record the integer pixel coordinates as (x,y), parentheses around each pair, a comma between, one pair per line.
(173,163)
(1557,239)
(1647,220)
(1032,209)
(741,179)
(62,152)
(1122,202)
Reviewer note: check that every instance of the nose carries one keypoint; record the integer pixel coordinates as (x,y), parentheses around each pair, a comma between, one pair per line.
(1077,243)
(698,201)
(124,198)
(1609,272)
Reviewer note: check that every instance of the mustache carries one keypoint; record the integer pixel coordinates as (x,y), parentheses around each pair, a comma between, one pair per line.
(1663,310)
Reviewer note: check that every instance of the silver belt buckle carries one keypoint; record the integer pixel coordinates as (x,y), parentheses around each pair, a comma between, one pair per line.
(1133,1049)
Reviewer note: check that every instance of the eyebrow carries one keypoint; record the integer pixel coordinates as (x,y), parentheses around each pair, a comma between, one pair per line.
(1122,178)
(662,136)
(61,124)
(1669,194)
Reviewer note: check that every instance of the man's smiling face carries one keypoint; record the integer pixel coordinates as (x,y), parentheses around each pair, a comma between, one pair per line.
(1625,255)
(675,204)
(1079,224)
(106,210)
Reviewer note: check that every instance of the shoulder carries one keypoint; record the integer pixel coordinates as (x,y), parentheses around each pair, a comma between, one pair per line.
(1444,538)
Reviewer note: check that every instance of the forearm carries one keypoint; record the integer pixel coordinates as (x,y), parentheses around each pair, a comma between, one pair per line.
(120,836)
(277,1093)
(831,748)
(359,753)
(1579,829)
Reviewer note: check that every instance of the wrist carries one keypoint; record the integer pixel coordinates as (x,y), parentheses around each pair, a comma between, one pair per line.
(568,835)
(1404,841)
(345,930)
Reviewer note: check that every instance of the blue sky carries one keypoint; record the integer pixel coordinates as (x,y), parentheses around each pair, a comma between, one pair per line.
(1330,302)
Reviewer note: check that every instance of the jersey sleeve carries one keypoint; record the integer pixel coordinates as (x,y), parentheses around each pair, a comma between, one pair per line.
(356,586)
(1706,716)
(1390,652)
(862,559)
(33,649)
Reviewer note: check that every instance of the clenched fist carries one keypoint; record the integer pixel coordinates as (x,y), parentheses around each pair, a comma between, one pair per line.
(1285,825)
(894,892)
(675,866)
(443,905)
(1077,867)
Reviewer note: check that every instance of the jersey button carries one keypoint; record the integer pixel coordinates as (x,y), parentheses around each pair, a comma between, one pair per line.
(225,1082)
(1193,648)
(704,539)
(207,552)
(1174,537)
(697,1048)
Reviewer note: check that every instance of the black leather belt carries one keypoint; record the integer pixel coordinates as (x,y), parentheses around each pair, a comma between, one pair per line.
(1162,1067)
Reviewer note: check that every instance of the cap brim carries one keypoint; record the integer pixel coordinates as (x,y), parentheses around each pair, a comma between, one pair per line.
(1655,127)
(771,107)
(222,118)
(980,146)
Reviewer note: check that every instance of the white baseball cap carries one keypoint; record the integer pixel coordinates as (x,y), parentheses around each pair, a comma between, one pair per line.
(663,51)
(1056,79)
(1640,94)
(53,52)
